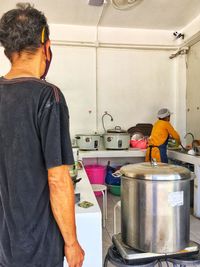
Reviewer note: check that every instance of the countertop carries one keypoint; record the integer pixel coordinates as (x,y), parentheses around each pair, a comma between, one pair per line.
(136,152)
(183,157)
(88,224)
(86,193)
(131,152)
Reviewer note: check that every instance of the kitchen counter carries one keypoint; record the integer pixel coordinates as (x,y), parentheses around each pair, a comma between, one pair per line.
(89,224)
(183,157)
(131,152)
(195,160)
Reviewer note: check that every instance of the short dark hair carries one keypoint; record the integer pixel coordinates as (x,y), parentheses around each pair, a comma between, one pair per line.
(21,29)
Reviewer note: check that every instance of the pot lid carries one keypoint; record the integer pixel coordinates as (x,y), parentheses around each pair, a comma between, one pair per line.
(116,134)
(158,171)
(88,135)
(117,129)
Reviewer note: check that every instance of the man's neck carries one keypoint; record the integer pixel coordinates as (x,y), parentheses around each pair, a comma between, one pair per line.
(24,65)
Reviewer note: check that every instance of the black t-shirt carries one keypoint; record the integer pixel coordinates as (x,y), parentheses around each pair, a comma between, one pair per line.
(34,136)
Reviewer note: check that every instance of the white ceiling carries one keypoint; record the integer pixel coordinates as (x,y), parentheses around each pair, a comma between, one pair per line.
(148,14)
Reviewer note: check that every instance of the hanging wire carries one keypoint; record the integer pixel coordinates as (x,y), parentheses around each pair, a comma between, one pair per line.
(124,4)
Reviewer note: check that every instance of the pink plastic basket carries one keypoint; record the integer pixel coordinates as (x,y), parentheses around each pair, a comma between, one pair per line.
(96,175)
(139,143)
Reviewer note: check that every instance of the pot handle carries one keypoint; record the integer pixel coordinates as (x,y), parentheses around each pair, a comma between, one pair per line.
(118,128)
(117,174)
(96,144)
(193,176)
(154,162)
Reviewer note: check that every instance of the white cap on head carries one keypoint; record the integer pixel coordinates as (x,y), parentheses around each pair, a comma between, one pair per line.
(163,113)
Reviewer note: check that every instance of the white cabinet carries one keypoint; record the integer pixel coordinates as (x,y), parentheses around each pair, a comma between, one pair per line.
(89,224)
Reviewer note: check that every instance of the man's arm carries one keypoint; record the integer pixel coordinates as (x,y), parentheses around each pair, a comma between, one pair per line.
(174,134)
(63,208)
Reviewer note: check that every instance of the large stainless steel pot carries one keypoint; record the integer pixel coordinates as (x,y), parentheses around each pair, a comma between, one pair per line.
(88,141)
(155,203)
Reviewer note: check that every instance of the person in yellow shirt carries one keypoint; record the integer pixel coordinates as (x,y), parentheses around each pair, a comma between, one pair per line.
(162,130)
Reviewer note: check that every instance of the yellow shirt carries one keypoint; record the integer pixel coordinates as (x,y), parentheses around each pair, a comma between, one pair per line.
(161,130)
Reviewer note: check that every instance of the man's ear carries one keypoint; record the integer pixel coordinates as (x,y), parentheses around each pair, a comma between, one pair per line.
(47,46)
(6,54)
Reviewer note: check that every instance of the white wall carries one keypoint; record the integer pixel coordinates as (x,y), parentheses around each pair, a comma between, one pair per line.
(193,92)
(134,84)
(130,83)
(73,69)
(4,63)
(180,81)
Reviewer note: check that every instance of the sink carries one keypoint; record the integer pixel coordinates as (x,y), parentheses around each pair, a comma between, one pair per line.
(183,151)
(178,149)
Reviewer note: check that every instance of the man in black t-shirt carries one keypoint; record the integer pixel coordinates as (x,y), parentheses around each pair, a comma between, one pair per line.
(37,218)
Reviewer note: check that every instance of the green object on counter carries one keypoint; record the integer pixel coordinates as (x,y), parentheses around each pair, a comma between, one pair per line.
(85,204)
(115,190)
(172,143)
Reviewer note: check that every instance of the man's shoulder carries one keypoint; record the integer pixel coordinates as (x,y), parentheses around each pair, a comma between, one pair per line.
(161,124)
(51,89)
(48,90)
(39,87)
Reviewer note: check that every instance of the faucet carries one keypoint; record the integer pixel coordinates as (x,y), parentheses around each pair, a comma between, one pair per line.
(191,136)
(195,143)
(106,114)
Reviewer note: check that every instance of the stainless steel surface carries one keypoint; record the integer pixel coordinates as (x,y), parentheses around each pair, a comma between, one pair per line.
(194,144)
(160,171)
(117,141)
(88,141)
(129,254)
(192,152)
(155,205)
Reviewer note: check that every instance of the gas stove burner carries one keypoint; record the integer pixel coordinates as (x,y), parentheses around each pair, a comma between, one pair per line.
(133,256)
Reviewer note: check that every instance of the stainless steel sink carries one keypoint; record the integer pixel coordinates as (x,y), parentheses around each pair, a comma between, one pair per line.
(180,150)
(183,151)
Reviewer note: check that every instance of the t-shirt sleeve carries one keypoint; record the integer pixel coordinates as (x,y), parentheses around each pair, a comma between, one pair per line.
(54,130)
(173,132)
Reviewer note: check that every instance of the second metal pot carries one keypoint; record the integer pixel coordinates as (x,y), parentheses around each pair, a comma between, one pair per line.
(88,141)
(116,141)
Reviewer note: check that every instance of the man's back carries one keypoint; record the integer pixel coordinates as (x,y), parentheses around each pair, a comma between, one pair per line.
(29,112)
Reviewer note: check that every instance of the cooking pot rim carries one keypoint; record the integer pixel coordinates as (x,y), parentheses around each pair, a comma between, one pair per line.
(116,134)
(162,178)
(83,135)
(161,172)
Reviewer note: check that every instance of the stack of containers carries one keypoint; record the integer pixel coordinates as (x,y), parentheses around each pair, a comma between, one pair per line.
(113,179)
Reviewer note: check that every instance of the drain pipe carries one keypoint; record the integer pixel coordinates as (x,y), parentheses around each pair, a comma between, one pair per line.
(96,62)
(181,51)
